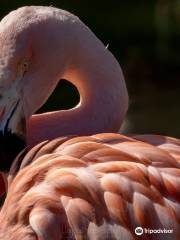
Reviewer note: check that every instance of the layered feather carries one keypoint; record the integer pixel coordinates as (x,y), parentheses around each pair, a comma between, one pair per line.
(96,187)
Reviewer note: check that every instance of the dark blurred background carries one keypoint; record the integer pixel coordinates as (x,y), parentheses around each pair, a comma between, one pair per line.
(145,38)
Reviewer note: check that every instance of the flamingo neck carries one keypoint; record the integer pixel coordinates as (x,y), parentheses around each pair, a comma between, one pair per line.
(103,95)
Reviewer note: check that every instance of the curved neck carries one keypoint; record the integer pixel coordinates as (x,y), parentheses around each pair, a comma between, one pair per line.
(103,95)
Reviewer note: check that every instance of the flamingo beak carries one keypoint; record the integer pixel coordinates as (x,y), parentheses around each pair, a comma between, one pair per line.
(12,133)
(12,119)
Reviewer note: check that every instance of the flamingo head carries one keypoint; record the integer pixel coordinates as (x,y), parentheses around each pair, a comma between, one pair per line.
(23,63)
(12,114)
(39,46)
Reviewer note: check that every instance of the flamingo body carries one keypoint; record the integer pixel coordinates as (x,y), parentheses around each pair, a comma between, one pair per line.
(96,187)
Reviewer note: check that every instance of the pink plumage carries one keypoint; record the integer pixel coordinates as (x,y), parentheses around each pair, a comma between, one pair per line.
(96,186)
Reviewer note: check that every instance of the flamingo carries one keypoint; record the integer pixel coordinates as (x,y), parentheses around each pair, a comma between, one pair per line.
(77,178)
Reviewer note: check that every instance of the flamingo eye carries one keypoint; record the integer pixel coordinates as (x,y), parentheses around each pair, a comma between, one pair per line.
(25,65)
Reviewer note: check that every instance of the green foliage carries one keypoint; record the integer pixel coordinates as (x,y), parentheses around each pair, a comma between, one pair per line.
(2,198)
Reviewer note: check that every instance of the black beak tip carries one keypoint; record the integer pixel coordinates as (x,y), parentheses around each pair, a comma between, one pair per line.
(10,146)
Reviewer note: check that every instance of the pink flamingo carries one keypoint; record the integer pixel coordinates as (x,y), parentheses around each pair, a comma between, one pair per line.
(101,186)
